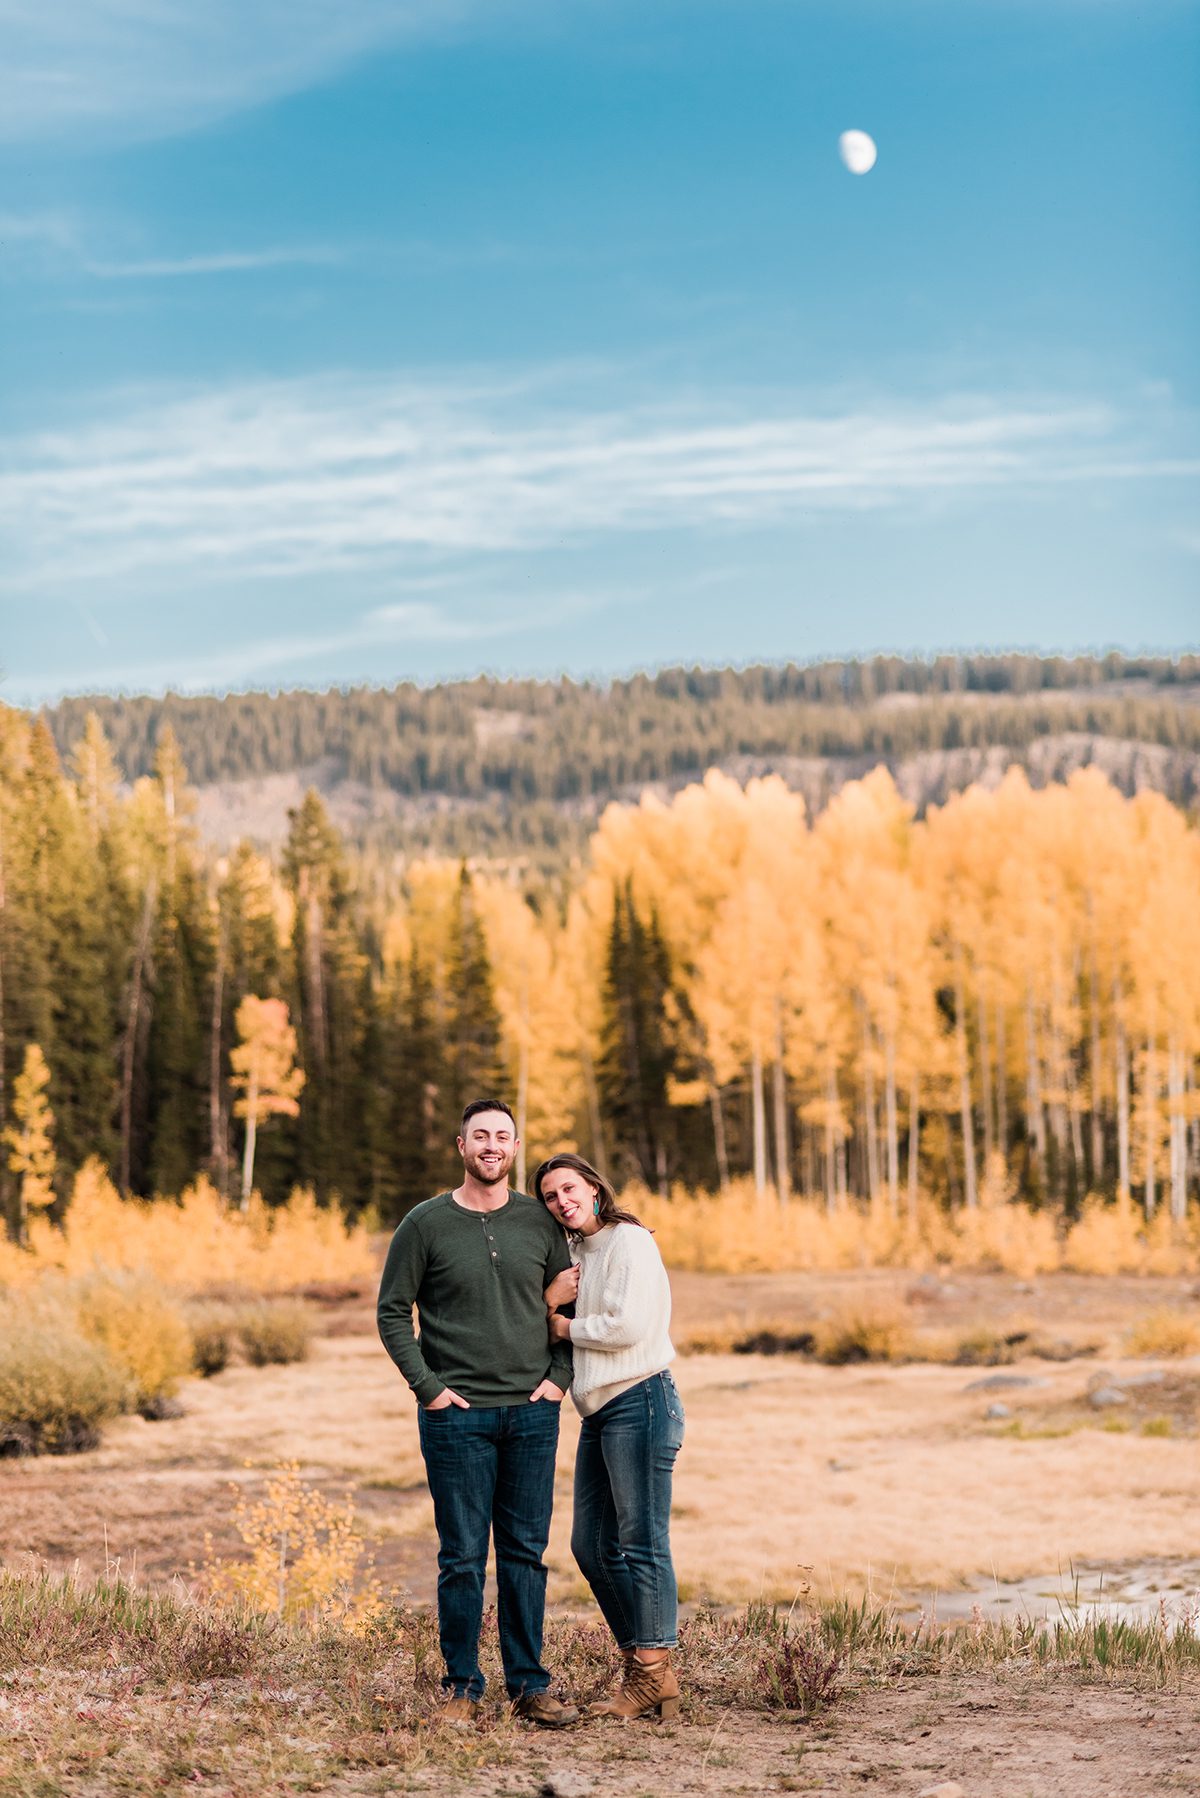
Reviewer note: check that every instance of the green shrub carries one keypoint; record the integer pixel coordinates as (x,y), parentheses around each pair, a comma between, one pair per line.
(56,1388)
(277,1330)
(144,1331)
(214,1337)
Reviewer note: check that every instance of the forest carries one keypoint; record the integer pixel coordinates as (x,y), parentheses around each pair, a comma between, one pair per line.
(565,741)
(866,1007)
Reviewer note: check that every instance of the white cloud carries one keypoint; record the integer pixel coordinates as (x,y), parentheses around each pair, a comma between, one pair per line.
(381,479)
(133,69)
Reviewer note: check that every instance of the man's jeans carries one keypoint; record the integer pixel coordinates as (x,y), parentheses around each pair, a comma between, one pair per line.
(621,1534)
(492,1471)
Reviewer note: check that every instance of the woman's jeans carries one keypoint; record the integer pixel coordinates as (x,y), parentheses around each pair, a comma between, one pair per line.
(621,1535)
(491,1472)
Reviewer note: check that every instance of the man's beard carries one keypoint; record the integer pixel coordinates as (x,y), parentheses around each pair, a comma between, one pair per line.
(488,1176)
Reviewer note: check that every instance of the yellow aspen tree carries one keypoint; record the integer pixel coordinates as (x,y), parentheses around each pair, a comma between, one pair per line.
(264,1072)
(30,1139)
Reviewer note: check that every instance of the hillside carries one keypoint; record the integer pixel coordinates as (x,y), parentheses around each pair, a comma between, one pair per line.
(496,767)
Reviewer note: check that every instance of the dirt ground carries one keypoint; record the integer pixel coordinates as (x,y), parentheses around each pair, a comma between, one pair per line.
(892,1478)
(985,1736)
(885,1477)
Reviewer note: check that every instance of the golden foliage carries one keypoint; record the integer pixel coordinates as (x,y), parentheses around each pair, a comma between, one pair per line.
(1164,1332)
(304,1560)
(141,1328)
(195,1243)
(738,1232)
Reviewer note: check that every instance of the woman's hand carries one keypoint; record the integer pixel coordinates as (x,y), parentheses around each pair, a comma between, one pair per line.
(560,1328)
(563,1288)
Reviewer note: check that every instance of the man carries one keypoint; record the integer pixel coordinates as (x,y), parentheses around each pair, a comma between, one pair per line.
(489,1385)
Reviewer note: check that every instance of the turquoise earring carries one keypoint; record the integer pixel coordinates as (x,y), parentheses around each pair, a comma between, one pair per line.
(595,1207)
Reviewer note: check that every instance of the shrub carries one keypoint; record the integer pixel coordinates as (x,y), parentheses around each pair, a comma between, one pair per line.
(214,1336)
(144,1331)
(1164,1333)
(863,1334)
(277,1330)
(56,1387)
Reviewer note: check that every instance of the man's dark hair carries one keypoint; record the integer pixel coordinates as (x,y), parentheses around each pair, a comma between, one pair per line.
(477,1105)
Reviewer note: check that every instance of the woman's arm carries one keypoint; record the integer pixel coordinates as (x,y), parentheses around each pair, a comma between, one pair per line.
(635,1291)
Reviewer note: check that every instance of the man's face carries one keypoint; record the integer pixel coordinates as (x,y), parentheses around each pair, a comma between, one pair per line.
(489,1147)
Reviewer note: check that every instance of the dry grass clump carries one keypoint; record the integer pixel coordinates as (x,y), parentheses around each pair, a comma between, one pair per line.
(141,1328)
(196,1242)
(57,1388)
(1165,1333)
(274,1331)
(864,1333)
(214,1337)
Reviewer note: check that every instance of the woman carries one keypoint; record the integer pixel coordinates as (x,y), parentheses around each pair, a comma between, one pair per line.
(632,1426)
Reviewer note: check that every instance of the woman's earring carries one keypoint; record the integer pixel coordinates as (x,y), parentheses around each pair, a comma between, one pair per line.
(595,1207)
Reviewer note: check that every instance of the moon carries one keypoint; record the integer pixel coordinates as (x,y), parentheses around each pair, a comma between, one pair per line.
(857,151)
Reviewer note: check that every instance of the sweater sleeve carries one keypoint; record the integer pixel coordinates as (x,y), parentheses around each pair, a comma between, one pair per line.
(629,1299)
(402,1275)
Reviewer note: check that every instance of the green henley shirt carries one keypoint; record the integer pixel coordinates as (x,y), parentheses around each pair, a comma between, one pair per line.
(476,1278)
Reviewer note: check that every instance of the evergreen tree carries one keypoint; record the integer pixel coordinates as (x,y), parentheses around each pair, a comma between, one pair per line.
(637,1058)
(474,1062)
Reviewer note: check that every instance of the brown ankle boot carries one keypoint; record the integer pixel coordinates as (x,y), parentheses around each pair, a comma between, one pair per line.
(649,1688)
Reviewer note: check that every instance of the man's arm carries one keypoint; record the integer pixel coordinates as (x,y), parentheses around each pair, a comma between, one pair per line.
(561,1370)
(402,1275)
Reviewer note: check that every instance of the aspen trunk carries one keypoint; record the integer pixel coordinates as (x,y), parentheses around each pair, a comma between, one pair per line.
(807,1162)
(251,1135)
(216,1117)
(985,1081)
(1035,1110)
(1096,1080)
(871,1131)
(719,1144)
(1001,1081)
(1150,1108)
(1178,1133)
(1124,1176)
(783,1171)
(830,1144)
(970,1177)
(914,1146)
(759,1115)
(893,1133)
(141,958)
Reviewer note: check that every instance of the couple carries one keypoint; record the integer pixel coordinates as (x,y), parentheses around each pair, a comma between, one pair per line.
(490,1273)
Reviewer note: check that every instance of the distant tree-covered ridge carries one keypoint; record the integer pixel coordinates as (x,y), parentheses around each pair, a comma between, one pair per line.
(555,742)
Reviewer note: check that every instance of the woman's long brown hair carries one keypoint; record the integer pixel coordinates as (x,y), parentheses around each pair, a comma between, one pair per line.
(610,1212)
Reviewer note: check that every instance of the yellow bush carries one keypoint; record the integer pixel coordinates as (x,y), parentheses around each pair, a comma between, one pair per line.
(1164,1333)
(197,1242)
(142,1329)
(304,1556)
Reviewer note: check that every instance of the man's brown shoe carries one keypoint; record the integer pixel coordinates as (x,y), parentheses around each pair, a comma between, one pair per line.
(460,1712)
(540,1707)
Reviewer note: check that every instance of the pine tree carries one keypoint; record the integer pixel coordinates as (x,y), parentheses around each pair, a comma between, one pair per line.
(637,1059)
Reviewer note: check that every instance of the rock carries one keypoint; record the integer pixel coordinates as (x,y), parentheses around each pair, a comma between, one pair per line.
(995,1412)
(565,1782)
(1103,1376)
(1153,1376)
(1104,1396)
(1002,1382)
(949,1788)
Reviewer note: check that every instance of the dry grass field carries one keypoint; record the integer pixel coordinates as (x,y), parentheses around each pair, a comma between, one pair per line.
(886,1477)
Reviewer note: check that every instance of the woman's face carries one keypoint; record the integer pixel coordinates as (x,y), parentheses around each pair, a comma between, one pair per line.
(570,1200)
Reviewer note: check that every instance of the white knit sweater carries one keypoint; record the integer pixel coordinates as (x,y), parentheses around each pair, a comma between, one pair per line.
(622,1314)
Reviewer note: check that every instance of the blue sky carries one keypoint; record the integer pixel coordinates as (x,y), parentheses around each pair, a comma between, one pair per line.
(371,339)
